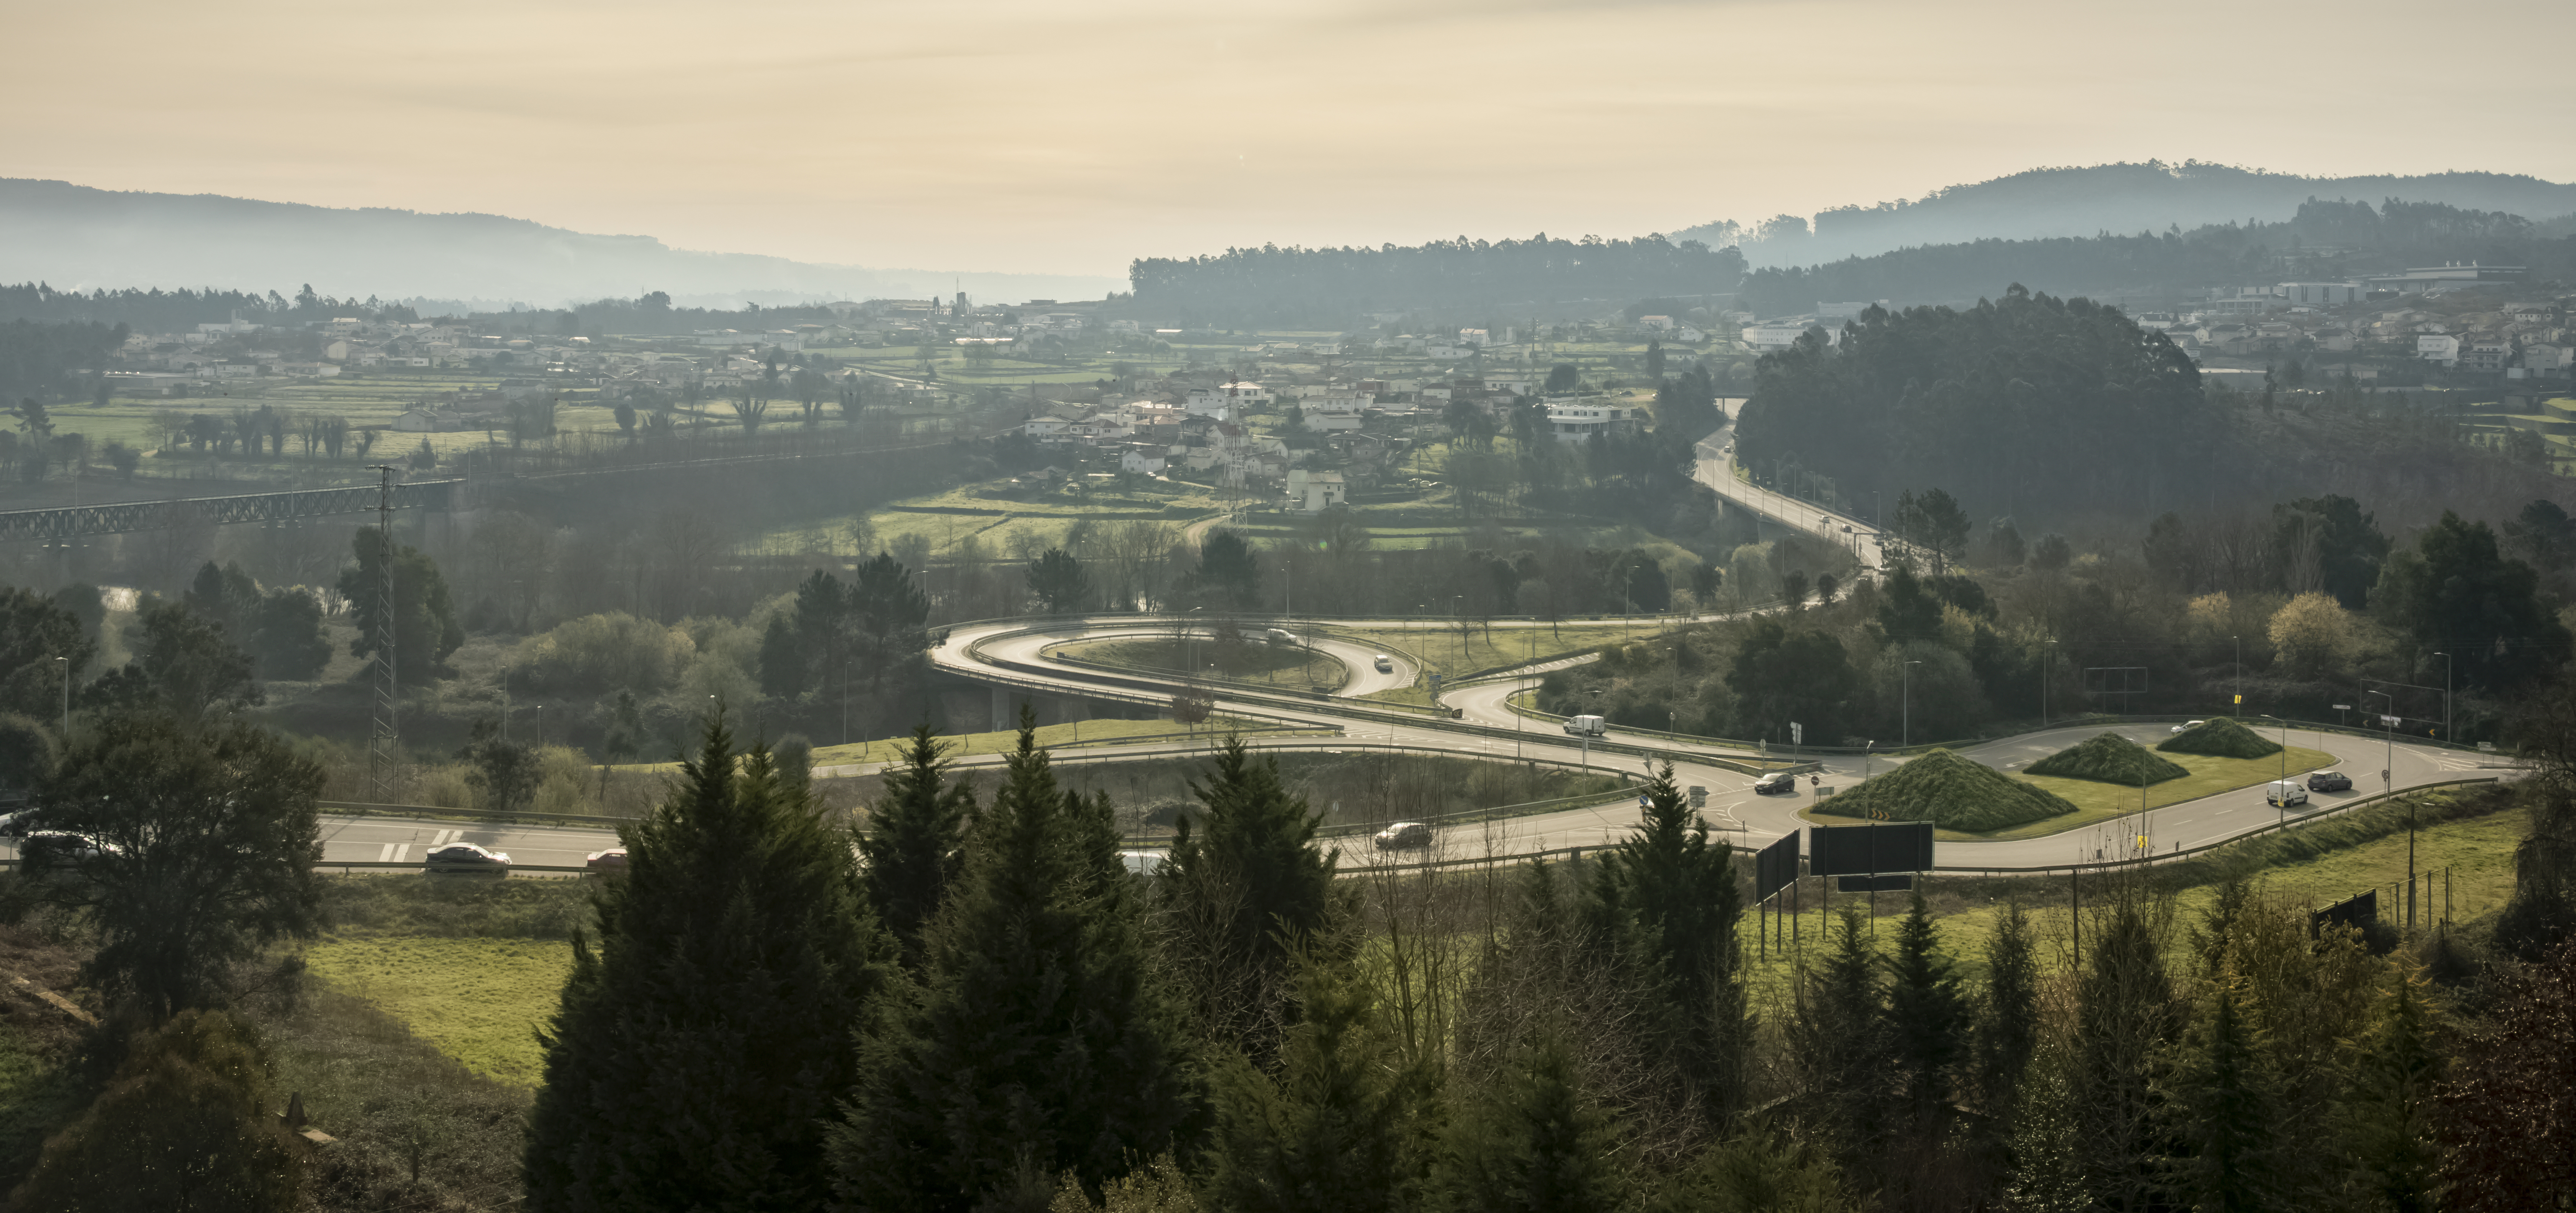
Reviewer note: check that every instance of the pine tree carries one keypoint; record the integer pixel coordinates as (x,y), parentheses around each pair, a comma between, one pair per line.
(1668,896)
(699,1049)
(782,659)
(1926,1016)
(2389,1111)
(2223,1109)
(1343,1125)
(1538,1142)
(1840,1035)
(2047,1174)
(1240,897)
(915,832)
(1033,1042)
(2010,1028)
(2125,1019)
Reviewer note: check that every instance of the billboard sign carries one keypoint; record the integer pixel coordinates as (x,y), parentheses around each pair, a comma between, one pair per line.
(1876,848)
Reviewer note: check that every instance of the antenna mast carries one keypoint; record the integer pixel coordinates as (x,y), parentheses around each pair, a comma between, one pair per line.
(384,741)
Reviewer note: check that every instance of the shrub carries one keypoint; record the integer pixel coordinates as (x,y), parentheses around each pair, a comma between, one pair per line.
(184,1124)
(611,652)
(1950,792)
(2109,758)
(2222,738)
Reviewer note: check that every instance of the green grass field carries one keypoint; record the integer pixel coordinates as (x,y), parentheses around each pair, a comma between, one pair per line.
(477,999)
(2478,852)
(2096,803)
(1051,736)
(1441,648)
(1281,667)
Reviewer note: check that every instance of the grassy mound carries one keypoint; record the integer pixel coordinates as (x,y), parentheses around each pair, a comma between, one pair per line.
(2224,738)
(1950,792)
(2109,758)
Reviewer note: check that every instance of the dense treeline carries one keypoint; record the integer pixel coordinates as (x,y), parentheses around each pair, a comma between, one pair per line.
(38,360)
(160,311)
(2026,403)
(1328,285)
(2326,239)
(2290,607)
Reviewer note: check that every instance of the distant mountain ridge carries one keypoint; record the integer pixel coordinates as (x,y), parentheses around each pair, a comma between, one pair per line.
(77,237)
(2122,199)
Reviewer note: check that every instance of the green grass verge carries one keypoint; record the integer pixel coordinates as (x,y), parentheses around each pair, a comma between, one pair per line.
(2205,776)
(1133,732)
(476,999)
(2108,758)
(1296,668)
(1952,793)
(1442,650)
(2222,737)
(2470,832)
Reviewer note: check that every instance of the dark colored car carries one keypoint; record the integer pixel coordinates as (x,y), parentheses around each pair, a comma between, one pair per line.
(1404,835)
(1776,781)
(465,857)
(611,862)
(2329,781)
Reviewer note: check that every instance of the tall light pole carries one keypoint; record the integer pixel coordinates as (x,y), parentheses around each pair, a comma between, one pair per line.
(2389,723)
(2446,696)
(1906,699)
(2285,763)
(2239,663)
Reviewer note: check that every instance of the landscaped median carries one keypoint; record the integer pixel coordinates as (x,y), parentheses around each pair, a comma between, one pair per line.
(2089,801)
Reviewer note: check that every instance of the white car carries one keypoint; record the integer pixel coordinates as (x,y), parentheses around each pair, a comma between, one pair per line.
(1384,664)
(2186,727)
(1404,835)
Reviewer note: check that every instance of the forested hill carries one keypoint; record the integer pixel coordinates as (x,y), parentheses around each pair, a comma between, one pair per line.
(2027,404)
(1327,286)
(79,238)
(2153,196)
(2323,239)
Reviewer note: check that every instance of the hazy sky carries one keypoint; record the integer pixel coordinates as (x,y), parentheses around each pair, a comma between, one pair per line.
(1072,136)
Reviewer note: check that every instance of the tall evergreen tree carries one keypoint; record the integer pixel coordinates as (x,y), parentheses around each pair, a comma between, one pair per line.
(2222,1111)
(1668,895)
(1927,1015)
(915,832)
(1034,1042)
(1840,1036)
(2009,1029)
(2048,1156)
(2125,1019)
(1344,1124)
(1536,1142)
(2389,1110)
(1241,896)
(700,1048)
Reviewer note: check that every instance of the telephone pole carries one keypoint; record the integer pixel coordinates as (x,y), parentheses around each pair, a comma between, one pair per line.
(385,739)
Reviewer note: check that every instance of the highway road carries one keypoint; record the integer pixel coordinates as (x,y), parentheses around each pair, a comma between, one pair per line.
(1716,469)
(1012,653)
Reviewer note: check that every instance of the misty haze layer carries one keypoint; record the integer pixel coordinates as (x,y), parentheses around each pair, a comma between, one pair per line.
(75,237)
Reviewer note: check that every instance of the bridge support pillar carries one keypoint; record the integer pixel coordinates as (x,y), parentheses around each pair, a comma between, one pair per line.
(1001,710)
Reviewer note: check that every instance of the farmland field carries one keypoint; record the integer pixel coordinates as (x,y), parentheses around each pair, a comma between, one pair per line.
(479,1000)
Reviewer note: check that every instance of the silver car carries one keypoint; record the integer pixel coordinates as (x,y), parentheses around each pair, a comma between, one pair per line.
(1404,836)
(465,857)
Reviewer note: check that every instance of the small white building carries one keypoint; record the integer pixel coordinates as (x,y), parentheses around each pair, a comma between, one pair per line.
(2442,348)
(2321,294)
(1579,420)
(1141,463)
(1316,492)
(1774,335)
(1227,401)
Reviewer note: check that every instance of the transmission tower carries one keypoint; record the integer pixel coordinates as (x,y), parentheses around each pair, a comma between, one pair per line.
(382,744)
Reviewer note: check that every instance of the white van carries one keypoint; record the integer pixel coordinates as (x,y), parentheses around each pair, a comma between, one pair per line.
(2285,792)
(1586,726)
(1281,637)
(1384,664)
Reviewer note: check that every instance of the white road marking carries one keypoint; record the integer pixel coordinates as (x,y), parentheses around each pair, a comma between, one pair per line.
(443,838)
(402,853)
(386,855)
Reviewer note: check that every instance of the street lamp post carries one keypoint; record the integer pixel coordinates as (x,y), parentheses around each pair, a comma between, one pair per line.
(2285,763)
(2388,761)
(1906,699)
(2446,696)
(2238,662)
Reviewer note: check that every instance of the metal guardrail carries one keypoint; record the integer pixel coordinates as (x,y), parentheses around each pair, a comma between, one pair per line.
(130,516)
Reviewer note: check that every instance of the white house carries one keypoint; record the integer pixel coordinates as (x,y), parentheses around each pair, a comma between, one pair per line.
(2321,294)
(1474,337)
(1579,420)
(1345,402)
(1781,334)
(1141,463)
(2546,359)
(1656,324)
(2441,348)
(1511,386)
(1316,492)
(1226,401)
(1333,422)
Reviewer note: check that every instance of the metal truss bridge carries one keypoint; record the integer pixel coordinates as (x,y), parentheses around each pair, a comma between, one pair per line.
(130,516)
